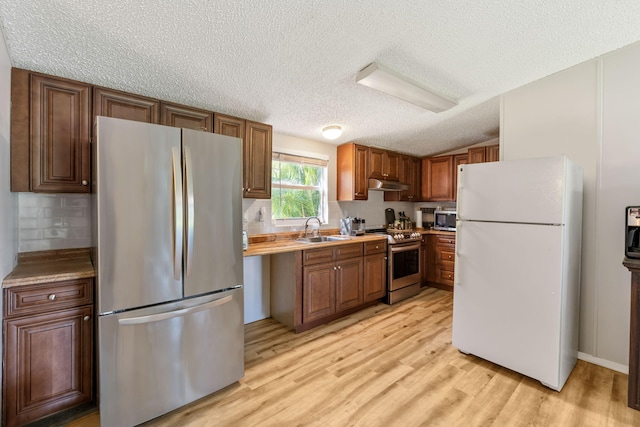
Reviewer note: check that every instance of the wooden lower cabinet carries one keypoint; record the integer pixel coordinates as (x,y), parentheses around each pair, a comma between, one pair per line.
(349,284)
(375,277)
(440,260)
(48,350)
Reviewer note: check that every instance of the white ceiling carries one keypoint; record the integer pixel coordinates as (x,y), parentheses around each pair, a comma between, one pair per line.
(293,63)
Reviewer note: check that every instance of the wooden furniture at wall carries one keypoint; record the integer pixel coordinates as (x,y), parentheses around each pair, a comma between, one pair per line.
(48,349)
(437,184)
(492,153)
(439,261)
(332,281)
(410,172)
(375,270)
(181,116)
(477,155)
(353,172)
(256,153)
(633,393)
(424,267)
(384,164)
(123,105)
(50,131)
(317,285)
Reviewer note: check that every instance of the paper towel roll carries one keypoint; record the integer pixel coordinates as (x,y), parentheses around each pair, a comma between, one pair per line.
(419,218)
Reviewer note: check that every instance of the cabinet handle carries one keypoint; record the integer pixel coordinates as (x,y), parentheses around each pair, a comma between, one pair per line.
(377,247)
(449,257)
(335,268)
(385,258)
(85,182)
(339,268)
(52,297)
(449,276)
(248,190)
(85,318)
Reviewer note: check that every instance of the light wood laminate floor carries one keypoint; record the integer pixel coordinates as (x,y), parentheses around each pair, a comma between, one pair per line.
(394,366)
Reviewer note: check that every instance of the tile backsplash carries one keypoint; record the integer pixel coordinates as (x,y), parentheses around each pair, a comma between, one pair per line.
(53,221)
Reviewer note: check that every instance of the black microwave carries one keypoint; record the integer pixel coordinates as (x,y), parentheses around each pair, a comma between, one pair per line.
(444,220)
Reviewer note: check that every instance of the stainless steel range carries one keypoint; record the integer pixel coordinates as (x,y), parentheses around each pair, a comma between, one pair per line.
(403,272)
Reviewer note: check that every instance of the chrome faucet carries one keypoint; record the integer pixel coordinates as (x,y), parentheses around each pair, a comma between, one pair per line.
(306,225)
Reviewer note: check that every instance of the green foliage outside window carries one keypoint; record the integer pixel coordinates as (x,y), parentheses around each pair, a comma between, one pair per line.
(297,189)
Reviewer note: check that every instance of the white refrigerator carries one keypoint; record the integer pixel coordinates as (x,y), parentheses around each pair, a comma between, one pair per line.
(517,278)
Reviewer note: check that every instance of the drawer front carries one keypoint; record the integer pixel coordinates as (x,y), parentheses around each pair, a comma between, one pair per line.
(375,247)
(46,297)
(317,256)
(446,240)
(444,276)
(445,255)
(351,250)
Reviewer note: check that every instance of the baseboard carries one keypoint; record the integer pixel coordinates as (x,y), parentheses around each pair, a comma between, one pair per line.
(604,363)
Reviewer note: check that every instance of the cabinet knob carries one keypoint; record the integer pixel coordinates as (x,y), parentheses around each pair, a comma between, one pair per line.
(449,256)
(85,318)
(377,247)
(449,276)
(248,190)
(339,268)
(52,297)
(85,182)
(335,268)
(385,258)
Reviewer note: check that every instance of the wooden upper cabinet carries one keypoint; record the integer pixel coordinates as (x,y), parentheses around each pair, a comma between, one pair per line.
(257,160)
(409,173)
(49,134)
(384,164)
(492,153)
(476,155)
(458,159)
(185,117)
(437,185)
(122,105)
(353,175)
(229,125)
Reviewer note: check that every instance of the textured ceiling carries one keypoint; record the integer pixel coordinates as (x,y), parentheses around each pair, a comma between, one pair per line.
(293,63)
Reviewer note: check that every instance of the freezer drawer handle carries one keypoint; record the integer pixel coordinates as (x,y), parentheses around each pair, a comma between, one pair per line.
(176,313)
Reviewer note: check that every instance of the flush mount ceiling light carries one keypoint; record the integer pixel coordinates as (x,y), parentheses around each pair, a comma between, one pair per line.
(388,81)
(332,132)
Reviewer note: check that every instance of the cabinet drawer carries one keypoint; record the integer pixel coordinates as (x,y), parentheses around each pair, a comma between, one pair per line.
(444,276)
(348,251)
(32,299)
(445,240)
(317,256)
(445,255)
(375,247)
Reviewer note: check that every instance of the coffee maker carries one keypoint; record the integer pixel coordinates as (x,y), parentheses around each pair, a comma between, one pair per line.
(632,245)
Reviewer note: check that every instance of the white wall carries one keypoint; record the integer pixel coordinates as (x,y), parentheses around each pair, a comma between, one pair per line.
(8,203)
(587,114)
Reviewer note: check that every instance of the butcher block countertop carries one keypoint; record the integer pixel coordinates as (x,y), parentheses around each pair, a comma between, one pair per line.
(276,243)
(50,266)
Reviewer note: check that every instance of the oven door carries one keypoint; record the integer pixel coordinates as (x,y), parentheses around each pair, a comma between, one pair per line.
(404,265)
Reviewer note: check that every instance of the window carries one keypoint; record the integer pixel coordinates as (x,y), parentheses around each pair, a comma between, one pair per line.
(298,188)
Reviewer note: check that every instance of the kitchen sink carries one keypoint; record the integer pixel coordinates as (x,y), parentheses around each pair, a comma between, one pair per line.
(319,239)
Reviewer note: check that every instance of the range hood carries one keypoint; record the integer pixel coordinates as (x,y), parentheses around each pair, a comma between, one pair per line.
(382,185)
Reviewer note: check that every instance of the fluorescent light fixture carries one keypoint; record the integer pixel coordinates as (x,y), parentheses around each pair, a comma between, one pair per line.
(388,81)
(332,132)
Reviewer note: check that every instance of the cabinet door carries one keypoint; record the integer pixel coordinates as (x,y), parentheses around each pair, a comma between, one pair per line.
(349,286)
(459,159)
(423,260)
(257,161)
(438,179)
(405,175)
(60,124)
(376,163)
(375,276)
(122,105)
(353,175)
(492,153)
(318,292)
(180,116)
(414,177)
(48,364)
(391,165)
(431,258)
(228,125)
(477,155)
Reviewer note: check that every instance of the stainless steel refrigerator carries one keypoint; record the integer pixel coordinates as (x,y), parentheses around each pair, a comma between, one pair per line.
(168,241)
(517,279)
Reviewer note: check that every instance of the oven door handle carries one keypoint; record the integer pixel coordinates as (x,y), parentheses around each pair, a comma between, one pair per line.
(403,247)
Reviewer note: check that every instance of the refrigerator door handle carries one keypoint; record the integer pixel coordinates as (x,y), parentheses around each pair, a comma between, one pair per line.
(176,313)
(459,193)
(177,217)
(456,265)
(189,208)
